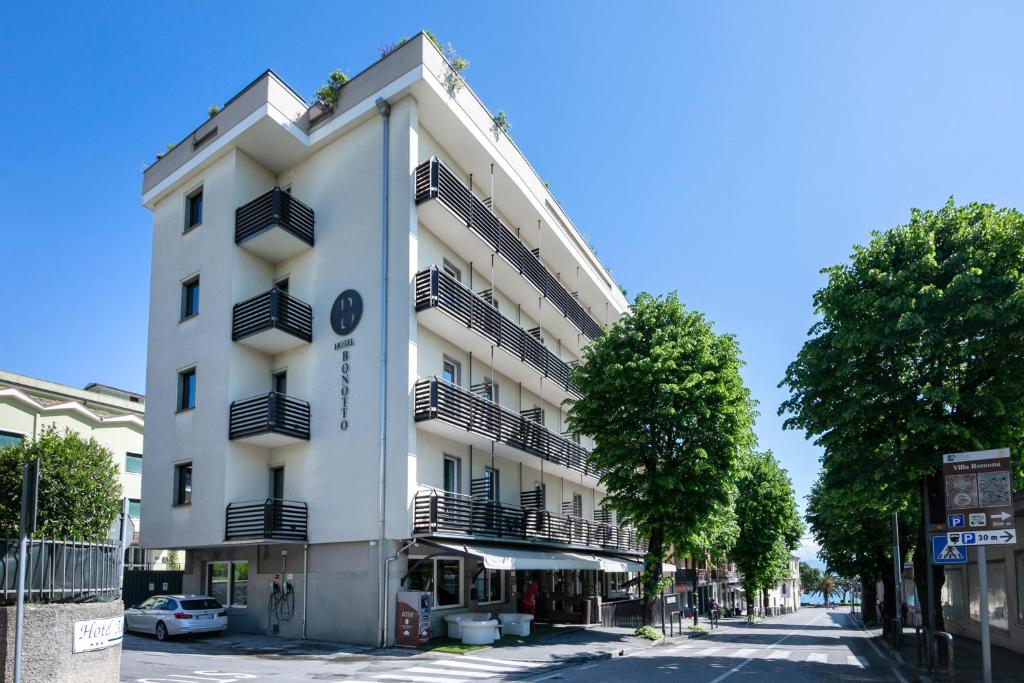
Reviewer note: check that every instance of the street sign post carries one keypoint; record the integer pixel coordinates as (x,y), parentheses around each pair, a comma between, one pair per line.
(978,492)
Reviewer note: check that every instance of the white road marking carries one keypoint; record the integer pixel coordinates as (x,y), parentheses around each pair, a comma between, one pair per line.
(742,664)
(417,679)
(707,651)
(860,662)
(779,654)
(506,662)
(745,652)
(818,657)
(481,667)
(439,669)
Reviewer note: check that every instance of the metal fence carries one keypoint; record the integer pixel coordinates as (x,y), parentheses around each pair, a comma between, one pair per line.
(630,613)
(60,570)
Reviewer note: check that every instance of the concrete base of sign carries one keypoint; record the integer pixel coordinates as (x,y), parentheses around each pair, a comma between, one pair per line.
(47,645)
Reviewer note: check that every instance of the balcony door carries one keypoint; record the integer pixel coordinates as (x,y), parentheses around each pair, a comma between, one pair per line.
(276,495)
(279,382)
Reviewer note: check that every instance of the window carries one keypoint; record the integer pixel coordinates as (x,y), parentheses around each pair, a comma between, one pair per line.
(451,371)
(135,508)
(187,389)
(133,463)
(190,297)
(451,474)
(577,504)
(183,484)
(491,477)
(10,439)
(442,577)
(997,612)
(489,586)
(953,606)
(228,583)
(452,270)
(194,209)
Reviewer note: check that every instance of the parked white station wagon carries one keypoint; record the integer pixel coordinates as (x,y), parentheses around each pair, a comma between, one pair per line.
(175,615)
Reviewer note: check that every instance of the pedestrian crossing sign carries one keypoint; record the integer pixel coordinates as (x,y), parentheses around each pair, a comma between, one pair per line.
(943,553)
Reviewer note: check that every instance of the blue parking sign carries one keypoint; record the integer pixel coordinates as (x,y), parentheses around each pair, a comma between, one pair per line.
(955,521)
(943,553)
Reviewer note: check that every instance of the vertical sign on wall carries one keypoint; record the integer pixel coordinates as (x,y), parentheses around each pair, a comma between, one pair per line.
(346,313)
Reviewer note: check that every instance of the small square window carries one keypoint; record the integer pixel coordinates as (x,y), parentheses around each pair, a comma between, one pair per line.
(187,389)
(190,297)
(183,484)
(194,209)
(451,370)
(452,270)
(135,508)
(133,463)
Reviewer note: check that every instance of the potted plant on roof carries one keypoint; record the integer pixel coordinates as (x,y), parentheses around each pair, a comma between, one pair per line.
(326,98)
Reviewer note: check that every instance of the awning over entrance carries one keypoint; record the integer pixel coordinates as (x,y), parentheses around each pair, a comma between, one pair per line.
(501,557)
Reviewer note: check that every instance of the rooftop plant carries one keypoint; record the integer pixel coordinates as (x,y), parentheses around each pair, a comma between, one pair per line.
(453,80)
(501,124)
(387,49)
(214,110)
(327,94)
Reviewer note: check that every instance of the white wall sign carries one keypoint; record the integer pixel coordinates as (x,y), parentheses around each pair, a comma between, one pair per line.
(97,634)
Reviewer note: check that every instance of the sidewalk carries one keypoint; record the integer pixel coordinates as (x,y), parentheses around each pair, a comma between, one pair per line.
(1006,665)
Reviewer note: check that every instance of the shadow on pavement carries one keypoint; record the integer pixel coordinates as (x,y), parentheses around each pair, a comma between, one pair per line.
(708,669)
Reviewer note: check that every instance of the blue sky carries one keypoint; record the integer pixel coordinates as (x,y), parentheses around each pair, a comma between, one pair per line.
(724,150)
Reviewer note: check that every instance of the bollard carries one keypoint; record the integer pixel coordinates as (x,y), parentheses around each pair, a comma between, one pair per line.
(948,637)
(919,637)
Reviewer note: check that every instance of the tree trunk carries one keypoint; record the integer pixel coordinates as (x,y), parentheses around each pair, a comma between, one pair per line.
(922,556)
(764,602)
(696,582)
(652,573)
(868,599)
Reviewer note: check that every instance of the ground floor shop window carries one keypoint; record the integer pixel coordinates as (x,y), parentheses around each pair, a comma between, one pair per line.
(228,583)
(441,577)
(489,586)
(997,613)
(953,596)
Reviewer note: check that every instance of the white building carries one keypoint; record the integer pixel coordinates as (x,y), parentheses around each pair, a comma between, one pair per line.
(115,418)
(268,454)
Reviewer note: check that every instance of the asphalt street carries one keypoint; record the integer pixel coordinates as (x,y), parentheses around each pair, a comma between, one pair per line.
(810,645)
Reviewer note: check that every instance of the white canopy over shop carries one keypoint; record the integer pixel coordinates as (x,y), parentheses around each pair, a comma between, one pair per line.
(506,558)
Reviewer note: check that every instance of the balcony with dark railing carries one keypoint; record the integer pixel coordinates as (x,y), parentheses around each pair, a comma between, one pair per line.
(275,226)
(435,181)
(272,322)
(269,519)
(269,420)
(439,513)
(465,310)
(438,401)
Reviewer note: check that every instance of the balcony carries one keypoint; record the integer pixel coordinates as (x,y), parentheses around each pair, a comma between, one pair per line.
(441,402)
(435,182)
(471,321)
(269,420)
(271,519)
(272,322)
(274,226)
(452,514)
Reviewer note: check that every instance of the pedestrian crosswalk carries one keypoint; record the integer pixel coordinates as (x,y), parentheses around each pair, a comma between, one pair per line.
(465,669)
(840,657)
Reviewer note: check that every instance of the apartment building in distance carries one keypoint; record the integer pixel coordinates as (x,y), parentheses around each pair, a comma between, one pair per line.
(362,321)
(114,417)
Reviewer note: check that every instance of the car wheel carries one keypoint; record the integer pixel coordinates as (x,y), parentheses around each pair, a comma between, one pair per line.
(161,631)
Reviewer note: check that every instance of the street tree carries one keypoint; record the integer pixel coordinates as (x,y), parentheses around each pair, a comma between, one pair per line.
(769,525)
(669,415)
(712,541)
(79,486)
(917,352)
(809,577)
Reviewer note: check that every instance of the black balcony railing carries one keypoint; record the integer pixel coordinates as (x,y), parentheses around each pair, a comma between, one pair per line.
(435,181)
(269,413)
(443,513)
(273,518)
(270,310)
(436,399)
(435,288)
(274,208)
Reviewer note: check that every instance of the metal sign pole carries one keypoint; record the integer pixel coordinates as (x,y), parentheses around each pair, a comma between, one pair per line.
(897,563)
(930,598)
(986,645)
(26,526)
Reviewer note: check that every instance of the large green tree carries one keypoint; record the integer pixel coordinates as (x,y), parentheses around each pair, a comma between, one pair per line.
(79,486)
(669,415)
(769,525)
(809,577)
(917,352)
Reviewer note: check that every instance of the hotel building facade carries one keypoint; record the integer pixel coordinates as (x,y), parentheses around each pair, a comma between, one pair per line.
(362,321)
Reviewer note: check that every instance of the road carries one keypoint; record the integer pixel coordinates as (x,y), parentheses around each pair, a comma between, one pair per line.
(809,645)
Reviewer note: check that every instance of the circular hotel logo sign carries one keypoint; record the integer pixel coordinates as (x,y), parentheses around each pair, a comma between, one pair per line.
(346,312)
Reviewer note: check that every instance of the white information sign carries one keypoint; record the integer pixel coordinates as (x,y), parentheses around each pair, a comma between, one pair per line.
(97,634)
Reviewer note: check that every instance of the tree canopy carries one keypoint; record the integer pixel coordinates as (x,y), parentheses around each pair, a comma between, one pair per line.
(769,523)
(79,486)
(669,415)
